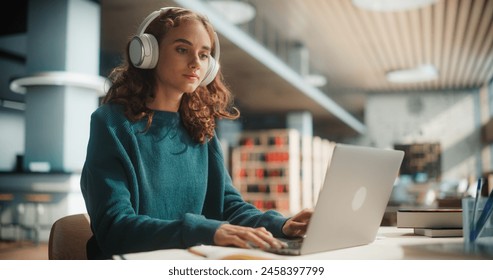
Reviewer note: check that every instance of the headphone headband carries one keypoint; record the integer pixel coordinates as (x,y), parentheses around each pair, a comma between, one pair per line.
(143,26)
(145,23)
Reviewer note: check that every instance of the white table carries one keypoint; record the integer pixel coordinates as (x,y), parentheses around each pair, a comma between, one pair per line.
(391,244)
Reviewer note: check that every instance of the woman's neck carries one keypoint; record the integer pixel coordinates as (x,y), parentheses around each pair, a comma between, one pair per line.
(165,102)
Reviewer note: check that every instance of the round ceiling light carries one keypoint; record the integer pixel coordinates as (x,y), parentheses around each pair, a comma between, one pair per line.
(392,5)
(236,12)
(423,73)
(315,80)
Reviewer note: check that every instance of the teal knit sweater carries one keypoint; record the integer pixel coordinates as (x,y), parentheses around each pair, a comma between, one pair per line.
(158,189)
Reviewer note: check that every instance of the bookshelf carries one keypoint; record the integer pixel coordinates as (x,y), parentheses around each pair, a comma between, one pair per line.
(421,158)
(280,169)
(266,168)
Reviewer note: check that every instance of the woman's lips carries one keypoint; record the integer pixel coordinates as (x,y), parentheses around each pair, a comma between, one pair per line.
(191,76)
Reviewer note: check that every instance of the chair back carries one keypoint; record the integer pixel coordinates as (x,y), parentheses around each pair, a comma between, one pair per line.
(68,238)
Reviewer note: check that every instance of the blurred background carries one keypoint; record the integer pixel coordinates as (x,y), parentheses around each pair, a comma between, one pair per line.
(306,75)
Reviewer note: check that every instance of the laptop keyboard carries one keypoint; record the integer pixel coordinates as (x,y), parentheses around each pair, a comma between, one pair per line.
(293,247)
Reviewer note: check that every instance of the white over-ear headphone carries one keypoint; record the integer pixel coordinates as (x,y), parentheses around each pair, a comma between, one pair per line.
(143,49)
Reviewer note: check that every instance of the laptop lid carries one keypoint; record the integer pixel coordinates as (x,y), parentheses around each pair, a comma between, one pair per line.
(352,202)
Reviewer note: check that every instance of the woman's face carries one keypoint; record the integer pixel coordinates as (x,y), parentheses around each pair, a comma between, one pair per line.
(183,58)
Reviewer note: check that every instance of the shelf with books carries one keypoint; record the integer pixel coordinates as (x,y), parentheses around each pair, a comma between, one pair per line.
(421,158)
(266,169)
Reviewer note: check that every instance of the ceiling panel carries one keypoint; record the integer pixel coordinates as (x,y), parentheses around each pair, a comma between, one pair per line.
(354,48)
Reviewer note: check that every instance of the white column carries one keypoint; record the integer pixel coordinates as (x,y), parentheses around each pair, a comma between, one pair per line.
(302,121)
(63,36)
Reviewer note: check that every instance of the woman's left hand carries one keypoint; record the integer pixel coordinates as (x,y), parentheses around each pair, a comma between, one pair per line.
(296,226)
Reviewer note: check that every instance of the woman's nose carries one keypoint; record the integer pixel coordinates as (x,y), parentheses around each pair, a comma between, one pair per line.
(194,62)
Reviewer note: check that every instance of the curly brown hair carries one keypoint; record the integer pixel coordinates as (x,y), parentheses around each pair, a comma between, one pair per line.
(133,87)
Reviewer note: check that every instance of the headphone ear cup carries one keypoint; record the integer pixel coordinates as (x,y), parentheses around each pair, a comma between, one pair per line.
(212,71)
(144,51)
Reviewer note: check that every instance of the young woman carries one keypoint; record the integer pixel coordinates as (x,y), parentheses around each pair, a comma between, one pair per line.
(154,176)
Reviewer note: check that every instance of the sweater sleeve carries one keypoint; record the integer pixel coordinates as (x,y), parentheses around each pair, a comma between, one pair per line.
(107,183)
(235,209)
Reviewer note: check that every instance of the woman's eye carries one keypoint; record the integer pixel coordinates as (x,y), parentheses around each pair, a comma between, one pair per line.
(204,56)
(181,50)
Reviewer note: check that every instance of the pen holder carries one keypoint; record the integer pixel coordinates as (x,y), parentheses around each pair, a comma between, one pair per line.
(485,238)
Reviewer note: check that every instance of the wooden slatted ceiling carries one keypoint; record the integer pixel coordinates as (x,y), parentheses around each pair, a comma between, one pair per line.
(354,48)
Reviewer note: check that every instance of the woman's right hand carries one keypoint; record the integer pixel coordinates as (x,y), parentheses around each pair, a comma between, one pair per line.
(245,237)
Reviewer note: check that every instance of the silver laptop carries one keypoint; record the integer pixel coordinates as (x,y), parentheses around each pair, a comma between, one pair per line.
(352,202)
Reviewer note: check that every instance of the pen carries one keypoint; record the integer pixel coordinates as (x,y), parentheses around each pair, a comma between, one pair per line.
(485,215)
(474,210)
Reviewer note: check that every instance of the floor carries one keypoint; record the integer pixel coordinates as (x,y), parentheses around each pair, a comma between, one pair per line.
(23,250)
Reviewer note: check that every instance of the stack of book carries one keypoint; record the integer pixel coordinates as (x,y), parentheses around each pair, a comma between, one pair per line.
(431,222)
